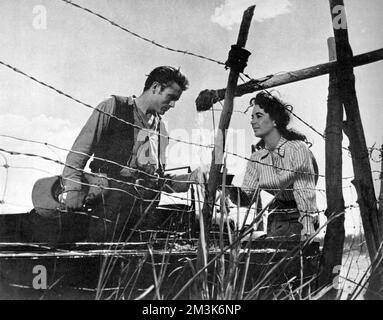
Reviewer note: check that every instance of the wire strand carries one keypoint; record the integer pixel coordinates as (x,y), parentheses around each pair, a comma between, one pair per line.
(147,130)
(141,37)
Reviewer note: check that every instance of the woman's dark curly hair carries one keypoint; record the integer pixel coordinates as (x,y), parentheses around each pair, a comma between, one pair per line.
(280,112)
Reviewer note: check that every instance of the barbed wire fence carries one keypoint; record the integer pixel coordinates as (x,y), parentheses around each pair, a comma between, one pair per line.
(375,153)
(372,149)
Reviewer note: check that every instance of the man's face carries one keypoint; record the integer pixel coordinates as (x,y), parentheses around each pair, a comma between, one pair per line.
(165,98)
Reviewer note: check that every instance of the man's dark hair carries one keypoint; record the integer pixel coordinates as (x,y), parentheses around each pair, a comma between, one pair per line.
(165,75)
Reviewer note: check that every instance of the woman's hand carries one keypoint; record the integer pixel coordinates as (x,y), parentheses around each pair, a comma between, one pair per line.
(199,175)
(308,229)
(232,192)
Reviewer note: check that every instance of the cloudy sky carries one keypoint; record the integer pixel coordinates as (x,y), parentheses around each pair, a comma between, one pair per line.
(90,59)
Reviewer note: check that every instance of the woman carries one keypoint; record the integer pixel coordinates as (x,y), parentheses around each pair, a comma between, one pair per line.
(282,165)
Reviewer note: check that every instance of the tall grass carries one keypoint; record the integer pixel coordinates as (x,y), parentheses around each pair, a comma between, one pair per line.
(228,275)
(228,271)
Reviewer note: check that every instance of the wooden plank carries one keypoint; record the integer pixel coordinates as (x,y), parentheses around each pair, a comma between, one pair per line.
(335,233)
(67,271)
(288,77)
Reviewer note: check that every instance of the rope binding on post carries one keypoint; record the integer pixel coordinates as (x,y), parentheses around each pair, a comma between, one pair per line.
(237,60)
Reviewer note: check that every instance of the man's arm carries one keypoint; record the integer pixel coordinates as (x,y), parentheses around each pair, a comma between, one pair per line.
(85,143)
(180,183)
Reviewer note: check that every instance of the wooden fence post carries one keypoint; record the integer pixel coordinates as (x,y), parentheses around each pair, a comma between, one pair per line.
(354,130)
(219,147)
(380,212)
(334,239)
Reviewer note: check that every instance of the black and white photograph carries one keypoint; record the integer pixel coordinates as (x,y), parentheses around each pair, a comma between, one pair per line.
(206,152)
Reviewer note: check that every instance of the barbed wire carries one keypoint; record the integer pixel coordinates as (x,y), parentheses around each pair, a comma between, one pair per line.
(349,207)
(115,180)
(220,110)
(178,140)
(371,154)
(370,150)
(58,210)
(144,129)
(288,189)
(288,109)
(148,130)
(164,47)
(135,185)
(135,170)
(136,126)
(108,188)
(6,166)
(114,189)
(172,180)
(131,184)
(96,109)
(259,162)
(94,185)
(113,116)
(139,36)
(292,113)
(376,149)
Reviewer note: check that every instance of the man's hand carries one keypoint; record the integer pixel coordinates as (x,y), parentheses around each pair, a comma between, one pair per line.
(181,183)
(73,199)
(98,185)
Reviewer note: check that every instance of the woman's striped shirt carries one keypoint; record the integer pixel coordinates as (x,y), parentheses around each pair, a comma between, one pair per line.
(298,185)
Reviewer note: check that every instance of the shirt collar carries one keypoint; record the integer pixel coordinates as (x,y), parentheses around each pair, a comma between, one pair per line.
(279,149)
(131,102)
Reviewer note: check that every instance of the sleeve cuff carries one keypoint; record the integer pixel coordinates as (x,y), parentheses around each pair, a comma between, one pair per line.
(72,185)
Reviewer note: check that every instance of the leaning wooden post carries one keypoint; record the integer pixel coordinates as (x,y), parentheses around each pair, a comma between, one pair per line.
(334,240)
(219,147)
(380,212)
(354,130)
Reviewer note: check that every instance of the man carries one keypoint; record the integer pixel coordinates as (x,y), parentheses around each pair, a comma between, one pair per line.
(136,140)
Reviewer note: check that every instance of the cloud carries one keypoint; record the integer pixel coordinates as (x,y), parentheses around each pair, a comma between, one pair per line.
(24,171)
(231,11)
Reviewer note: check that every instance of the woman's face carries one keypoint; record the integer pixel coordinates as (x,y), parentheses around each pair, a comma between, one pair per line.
(261,122)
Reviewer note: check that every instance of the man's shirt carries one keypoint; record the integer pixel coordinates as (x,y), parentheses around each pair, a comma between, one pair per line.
(144,152)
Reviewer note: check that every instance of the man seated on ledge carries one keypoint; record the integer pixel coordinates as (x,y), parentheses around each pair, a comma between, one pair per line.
(134,146)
